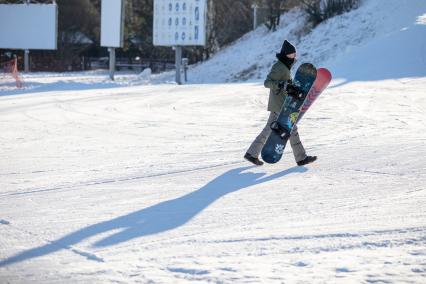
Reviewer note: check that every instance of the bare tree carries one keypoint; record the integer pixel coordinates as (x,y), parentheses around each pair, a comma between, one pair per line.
(272,11)
(320,10)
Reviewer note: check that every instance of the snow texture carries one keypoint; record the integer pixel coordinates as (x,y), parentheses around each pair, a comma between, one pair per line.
(142,181)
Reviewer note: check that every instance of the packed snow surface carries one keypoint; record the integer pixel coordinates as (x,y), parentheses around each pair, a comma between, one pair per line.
(142,181)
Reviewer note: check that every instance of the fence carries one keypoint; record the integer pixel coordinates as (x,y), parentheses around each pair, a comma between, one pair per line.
(128,64)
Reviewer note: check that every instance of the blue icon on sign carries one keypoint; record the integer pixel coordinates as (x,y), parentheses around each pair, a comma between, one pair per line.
(197,13)
(196,32)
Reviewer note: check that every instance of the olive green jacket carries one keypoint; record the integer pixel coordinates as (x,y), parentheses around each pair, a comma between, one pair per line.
(279,72)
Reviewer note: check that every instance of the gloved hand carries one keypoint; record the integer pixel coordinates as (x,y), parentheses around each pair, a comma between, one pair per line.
(283,84)
(293,91)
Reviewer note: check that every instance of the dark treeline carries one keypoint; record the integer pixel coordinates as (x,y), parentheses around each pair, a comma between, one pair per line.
(79,30)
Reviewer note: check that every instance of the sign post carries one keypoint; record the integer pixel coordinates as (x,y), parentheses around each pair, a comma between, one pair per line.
(26,60)
(179,23)
(111,51)
(178,60)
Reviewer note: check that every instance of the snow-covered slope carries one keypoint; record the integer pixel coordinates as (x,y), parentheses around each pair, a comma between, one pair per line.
(387,34)
(147,184)
(396,48)
(138,182)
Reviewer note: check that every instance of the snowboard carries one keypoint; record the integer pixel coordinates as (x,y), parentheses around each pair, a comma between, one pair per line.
(281,129)
(321,82)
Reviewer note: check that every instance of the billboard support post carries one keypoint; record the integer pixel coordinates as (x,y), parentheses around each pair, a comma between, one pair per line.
(26,60)
(111,62)
(178,60)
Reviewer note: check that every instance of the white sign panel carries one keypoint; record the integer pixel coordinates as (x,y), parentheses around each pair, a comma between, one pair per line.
(28,26)
(180,22)
(112,23)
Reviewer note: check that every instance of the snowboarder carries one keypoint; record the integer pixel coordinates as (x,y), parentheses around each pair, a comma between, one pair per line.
(279,83)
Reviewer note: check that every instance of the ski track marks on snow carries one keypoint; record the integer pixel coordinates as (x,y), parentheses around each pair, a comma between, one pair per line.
(117,180)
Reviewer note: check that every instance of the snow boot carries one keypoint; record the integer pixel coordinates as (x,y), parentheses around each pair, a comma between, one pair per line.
(307,160)
(253,160)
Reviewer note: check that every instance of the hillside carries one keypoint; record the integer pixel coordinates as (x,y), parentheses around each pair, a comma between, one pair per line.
(380,34)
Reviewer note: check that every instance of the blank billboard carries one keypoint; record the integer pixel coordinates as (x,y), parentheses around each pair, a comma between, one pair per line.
(112,18)
(180,22)
(28,26)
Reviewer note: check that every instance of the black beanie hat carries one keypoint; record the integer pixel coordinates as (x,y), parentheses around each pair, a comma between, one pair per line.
(287,48)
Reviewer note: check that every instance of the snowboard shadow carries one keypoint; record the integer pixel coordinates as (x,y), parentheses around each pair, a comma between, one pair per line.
(162,217)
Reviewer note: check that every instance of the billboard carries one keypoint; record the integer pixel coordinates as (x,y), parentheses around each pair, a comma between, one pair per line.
(28,26)
(180,22)
(112,23)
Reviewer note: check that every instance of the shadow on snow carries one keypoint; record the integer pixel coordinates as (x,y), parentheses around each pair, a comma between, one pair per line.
(165,216)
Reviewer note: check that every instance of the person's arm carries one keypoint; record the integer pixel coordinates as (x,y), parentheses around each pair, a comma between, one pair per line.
(274,78)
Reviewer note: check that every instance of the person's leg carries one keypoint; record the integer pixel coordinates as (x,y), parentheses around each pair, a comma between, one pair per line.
(258,143)
(298,150)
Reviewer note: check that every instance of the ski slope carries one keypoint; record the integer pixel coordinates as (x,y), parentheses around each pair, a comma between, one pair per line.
(147,184)
(143,181)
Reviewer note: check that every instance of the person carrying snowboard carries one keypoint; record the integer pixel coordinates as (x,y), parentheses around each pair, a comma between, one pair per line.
(278,82)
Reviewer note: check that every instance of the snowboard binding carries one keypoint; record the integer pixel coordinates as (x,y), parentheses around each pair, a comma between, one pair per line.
(281,131)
